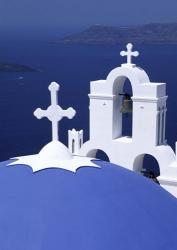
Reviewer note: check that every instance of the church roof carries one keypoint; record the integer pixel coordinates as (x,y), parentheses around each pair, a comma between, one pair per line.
(93,209)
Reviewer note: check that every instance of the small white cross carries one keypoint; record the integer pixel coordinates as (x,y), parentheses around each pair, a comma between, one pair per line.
(54,112)
(129,53)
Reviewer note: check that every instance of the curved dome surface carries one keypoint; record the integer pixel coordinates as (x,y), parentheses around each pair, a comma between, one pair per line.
(107,208)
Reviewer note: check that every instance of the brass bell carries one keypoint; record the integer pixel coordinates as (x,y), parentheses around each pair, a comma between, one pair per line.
(127,104)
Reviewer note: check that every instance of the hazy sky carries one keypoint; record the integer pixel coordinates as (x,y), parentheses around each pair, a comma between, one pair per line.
(49,14)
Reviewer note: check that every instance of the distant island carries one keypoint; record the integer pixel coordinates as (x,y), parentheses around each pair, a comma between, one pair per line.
(147,34)
(9,67)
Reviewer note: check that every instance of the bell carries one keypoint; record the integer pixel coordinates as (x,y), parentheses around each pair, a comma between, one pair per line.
(127,104)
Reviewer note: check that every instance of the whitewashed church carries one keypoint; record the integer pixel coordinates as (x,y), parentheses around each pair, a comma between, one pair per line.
(148,124)
(148,104)
(64,198)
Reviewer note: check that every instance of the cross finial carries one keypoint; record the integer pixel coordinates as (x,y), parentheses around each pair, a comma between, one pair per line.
(54,112)
(129,53)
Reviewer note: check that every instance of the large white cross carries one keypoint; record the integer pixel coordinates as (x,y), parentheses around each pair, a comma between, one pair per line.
(129,53)
(54,112)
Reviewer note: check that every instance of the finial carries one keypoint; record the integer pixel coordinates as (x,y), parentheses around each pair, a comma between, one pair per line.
(54,112)
(129,53)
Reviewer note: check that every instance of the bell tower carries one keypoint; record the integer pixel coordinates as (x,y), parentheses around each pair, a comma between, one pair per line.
(148,108)
(148,123)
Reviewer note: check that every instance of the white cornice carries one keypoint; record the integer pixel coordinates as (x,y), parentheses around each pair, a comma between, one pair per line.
(149,99)
(102,97)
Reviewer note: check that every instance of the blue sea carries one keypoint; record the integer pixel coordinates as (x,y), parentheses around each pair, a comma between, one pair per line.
(73,67)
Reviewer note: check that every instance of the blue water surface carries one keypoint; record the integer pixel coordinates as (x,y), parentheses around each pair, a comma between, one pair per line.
(73,66)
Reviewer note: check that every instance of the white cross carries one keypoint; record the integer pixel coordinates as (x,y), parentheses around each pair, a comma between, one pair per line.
(129,53)
(54,112)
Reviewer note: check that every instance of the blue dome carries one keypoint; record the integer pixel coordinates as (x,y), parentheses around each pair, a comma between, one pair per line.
(107,208)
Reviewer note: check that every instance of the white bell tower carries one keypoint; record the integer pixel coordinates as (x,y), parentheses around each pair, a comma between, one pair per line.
(148,123)
(149,105)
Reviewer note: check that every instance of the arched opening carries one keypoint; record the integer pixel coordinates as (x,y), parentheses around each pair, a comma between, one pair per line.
(73,146)
(161,125)
(148,166)
(98,154)
(127,117)
(80,143)
(123,108)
